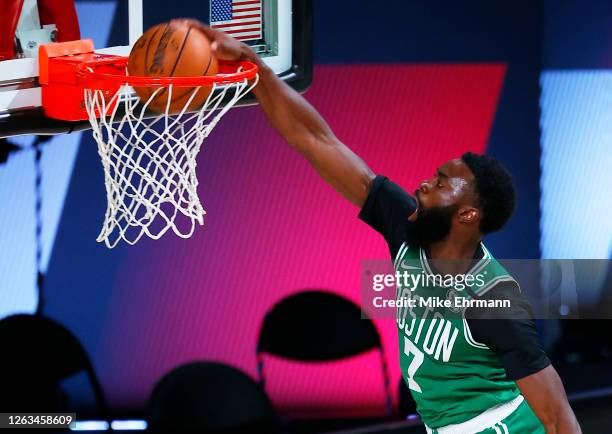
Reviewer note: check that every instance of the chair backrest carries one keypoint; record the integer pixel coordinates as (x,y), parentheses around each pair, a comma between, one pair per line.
(41,346)
(42,354)
(316,325)
(210,397)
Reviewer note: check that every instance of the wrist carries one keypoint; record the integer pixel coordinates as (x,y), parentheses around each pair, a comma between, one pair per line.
(250,55)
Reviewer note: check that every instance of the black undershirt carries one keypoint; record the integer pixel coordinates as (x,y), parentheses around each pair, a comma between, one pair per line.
(510,333)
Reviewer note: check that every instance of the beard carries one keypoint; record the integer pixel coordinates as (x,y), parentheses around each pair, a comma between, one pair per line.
(433,224)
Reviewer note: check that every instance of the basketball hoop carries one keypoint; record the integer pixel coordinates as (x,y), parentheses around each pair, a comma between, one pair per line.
(149,159)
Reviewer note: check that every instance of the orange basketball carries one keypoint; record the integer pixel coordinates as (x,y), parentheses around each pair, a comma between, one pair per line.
(172,50)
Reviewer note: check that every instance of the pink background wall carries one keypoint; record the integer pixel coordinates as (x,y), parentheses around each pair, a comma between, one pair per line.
(274,228)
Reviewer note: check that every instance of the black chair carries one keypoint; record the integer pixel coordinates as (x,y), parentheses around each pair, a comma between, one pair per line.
(315,326)
(38,353)
(210,397)
(406,404)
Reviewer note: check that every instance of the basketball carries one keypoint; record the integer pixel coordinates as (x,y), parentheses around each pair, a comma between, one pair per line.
(172,50)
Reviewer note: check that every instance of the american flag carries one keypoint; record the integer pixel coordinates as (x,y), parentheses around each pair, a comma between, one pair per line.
(238,18)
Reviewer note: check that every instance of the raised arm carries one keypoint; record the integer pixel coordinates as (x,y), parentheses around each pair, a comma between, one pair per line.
(299,123)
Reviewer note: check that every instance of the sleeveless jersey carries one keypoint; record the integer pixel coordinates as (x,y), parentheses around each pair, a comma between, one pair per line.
(452,377)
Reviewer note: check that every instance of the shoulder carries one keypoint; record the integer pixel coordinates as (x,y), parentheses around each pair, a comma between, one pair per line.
(514,304)
(386,193)
(386,210)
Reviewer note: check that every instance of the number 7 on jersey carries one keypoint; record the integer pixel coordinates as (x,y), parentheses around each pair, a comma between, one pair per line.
(410,348)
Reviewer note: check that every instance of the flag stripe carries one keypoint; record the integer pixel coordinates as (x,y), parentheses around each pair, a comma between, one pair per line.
(242,17)
(247,36)
(236,35)
(243,30)
(238,15)
(246,23)
(238,21)
(246,9)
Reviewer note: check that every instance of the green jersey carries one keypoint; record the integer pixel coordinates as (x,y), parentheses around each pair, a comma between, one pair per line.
(460,371)
(452,377)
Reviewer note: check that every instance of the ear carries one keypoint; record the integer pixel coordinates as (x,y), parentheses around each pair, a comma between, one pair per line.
(469,215)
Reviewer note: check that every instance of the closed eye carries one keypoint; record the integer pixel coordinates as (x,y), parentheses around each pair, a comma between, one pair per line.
(440,175)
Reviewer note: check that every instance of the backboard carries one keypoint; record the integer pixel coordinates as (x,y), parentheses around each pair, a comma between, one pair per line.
(280,31)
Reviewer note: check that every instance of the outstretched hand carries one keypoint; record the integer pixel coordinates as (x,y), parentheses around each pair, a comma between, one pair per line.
(224,46)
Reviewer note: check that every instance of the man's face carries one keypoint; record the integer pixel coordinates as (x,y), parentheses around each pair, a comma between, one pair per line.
(439,200)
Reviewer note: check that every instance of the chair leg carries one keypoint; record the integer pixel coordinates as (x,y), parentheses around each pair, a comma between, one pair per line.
(260,370)
(387,383)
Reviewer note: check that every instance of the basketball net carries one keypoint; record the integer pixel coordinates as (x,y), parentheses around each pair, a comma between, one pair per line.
(150,163)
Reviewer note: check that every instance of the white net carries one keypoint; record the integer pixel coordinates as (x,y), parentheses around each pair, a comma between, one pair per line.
(150,163)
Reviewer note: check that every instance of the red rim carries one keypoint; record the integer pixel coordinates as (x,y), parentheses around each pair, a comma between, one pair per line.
(88,72)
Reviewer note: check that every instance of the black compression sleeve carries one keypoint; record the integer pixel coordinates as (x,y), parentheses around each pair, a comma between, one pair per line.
(386,210)
(510,333)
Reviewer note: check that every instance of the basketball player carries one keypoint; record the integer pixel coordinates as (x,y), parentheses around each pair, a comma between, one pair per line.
(495,378)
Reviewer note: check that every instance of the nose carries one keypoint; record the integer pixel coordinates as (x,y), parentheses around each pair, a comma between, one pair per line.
(424,187)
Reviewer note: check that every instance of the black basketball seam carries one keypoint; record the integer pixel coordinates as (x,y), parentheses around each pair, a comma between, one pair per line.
(209,62)
(173,100)
(157,50)
(163,58)
(204,73)
(178,57)
(146,62)
(182,95)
